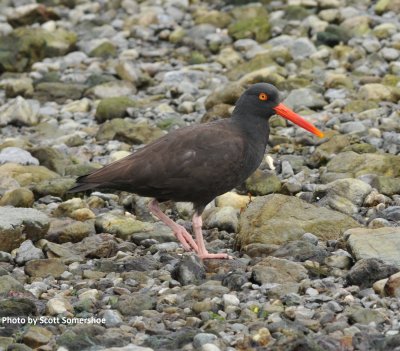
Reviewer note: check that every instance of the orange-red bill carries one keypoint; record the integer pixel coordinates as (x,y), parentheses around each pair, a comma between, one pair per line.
(287,113)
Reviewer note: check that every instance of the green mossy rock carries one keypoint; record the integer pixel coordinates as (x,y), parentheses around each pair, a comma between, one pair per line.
(104,50)
(20,197)
(387,185)
(262,183)
(58,91)
(360,164)
(55,187)
(360,105)
(254,28)
(128,131)
(216,18)
(113,107)
(25,46)
(256,63)
(266,221)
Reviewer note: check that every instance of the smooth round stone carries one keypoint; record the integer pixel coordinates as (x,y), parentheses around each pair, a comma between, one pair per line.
(230,300)
(390,54)
(113,318)
(203,338)
(17,155)
(313,239)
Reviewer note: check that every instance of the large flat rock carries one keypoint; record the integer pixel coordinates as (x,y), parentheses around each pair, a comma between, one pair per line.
(276,219)
(20,224)
(382,243)
(353,164)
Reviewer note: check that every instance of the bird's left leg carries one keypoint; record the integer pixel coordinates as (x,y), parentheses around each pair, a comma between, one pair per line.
(180,232)
(202,251)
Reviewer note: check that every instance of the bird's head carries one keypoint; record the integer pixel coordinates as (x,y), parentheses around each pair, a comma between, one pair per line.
(263,99)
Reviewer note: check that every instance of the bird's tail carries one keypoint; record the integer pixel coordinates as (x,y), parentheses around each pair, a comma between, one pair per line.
(81,187)
(82,184)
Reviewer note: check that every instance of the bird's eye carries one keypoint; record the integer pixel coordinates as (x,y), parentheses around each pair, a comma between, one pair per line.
(263,96)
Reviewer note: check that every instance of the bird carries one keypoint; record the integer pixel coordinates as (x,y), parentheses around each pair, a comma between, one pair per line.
(199,162)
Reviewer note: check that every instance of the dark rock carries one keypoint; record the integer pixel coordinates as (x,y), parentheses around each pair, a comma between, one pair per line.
(83,337)
(171,341)
(301,251)
(30,14)
(332,36)
(367,271)
(142,264)
(14,307)
(234,280)
(189,270)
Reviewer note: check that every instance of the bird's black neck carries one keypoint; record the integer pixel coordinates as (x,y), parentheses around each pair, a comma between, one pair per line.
(254,126)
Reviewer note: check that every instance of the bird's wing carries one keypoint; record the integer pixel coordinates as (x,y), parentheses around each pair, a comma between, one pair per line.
(177,162)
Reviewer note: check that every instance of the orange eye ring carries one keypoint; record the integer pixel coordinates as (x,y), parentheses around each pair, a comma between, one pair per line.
(263,96)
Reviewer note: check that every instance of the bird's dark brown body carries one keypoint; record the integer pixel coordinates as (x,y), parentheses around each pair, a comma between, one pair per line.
(193,164)
(198,163)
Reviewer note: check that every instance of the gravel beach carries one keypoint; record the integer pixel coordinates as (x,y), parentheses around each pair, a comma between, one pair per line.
(314,232)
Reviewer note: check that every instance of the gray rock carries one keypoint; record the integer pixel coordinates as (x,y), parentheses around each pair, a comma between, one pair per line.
(368,270)
(45,267)
(278,271)
(287,170)
(17,155)
(352,189)
(302,48)
(299,250)
(304,97)
(313,239)
(134,304)
(380,243)
(338,261)
(190,270)
(356,127)
(390,54)
(19,111)
(392,213)
(8,283)
(27,252)
(223,218)
(358,314)
(111,89)
(203,338)
(113,318)
(129,347)
(19,224)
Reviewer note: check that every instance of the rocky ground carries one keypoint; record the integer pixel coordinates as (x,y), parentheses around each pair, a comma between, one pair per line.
(316,246)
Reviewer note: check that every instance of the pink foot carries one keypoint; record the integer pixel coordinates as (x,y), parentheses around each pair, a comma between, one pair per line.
(202,251)
(207,255)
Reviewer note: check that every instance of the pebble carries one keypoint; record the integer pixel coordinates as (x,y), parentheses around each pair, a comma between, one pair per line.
(27,251)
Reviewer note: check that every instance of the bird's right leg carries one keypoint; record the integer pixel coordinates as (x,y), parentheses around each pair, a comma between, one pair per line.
(180,232)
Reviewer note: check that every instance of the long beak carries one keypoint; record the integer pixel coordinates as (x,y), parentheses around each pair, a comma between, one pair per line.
(287,113)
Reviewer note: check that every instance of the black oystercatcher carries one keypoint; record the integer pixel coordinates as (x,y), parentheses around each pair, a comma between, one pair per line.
(198,163)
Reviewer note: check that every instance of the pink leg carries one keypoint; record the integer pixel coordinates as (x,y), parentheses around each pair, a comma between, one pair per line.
(202,251)
(180,232)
